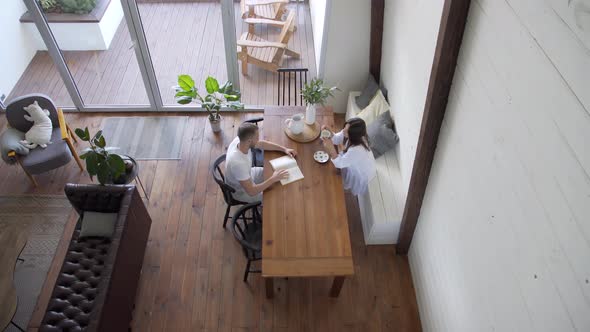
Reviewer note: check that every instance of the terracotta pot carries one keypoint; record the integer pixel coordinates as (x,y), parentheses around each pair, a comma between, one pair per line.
(215,124)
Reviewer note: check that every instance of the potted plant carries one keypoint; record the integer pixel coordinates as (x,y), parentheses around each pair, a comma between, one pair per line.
(315,93)
(108,167)
(216,98)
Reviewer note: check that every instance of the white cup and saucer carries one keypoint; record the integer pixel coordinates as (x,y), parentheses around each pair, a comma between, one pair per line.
(325,133)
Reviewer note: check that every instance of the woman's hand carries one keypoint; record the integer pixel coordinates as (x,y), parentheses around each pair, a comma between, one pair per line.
(330,149)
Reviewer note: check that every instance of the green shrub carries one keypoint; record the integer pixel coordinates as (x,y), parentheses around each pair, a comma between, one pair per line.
(48,5)
(77,6)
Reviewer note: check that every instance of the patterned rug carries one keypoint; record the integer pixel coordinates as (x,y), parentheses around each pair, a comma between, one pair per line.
(145,137)
(45,218)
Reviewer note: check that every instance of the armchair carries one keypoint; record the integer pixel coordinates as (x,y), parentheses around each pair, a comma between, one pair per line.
(38,160)
(268,55)
(264,9)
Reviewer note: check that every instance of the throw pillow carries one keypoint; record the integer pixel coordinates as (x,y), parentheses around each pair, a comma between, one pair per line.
(96,224)
(368,93)
(377,106)
(382,135)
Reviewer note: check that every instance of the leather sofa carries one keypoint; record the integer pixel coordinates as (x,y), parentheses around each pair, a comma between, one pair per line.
(97,284)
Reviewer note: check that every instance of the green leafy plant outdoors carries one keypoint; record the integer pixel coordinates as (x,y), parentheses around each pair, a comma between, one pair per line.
(315,92)
(216,98)
(100,162)
(48,5)
(77,6)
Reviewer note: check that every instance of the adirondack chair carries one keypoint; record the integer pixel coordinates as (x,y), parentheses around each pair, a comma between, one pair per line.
(268,9)
(266,54)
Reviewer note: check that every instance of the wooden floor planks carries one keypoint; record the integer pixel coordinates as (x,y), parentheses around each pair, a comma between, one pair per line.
(193,268)
(183,38)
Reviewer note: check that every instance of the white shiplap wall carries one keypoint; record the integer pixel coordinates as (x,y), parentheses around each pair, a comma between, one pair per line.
(347,50)
(503,239)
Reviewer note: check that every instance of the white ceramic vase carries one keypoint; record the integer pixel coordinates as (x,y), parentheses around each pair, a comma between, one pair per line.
(215,124)
(310,114)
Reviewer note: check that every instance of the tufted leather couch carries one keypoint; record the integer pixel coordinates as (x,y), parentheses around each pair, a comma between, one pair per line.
(96,287)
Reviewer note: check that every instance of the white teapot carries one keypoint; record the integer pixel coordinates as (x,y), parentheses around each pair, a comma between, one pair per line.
(296,123)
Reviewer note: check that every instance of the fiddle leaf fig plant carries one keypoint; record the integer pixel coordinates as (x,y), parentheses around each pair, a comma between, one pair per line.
(217,96)
(100,161)
(315,92)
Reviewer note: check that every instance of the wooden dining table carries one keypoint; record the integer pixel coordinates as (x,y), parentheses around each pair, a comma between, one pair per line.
(305,229)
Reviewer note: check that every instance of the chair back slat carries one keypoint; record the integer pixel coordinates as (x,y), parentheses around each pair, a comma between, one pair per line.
(289,88)
(219,178)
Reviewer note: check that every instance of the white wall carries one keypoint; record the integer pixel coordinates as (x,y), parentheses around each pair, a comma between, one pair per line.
(18,48)
(317,9)
(347,54)
(503,238)
(97,35)
(410,30)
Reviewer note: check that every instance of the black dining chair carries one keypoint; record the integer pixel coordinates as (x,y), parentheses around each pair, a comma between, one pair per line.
(289,88)
(246,225)
(257,154)
(226,189)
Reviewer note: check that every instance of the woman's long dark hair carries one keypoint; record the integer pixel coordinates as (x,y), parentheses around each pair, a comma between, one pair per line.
(357,133)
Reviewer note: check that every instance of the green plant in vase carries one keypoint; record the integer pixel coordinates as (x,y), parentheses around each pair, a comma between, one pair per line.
(217,97)
(100,161)
(314,93)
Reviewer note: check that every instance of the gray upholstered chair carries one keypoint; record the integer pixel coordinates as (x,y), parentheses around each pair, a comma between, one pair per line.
(37,160)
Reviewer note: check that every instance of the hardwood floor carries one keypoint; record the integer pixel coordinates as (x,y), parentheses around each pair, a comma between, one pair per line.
(183,38)
(192,272)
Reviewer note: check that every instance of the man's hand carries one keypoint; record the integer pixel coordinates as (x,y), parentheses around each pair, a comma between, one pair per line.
(290,152)
(279,175)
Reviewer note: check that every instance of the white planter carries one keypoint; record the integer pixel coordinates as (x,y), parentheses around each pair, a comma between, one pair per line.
(83,36)
(310,114)
(215,125)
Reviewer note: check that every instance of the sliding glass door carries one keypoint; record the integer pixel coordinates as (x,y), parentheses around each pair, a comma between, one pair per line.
(127,54)
(183,38)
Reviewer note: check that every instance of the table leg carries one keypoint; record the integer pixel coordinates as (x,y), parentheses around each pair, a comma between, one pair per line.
(336,286)
(137,179)
(269,284)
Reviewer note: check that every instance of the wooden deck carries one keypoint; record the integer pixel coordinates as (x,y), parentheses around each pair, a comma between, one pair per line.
(192,272)
(183,38)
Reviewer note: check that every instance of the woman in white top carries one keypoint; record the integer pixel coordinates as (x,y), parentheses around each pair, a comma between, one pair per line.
(355,159)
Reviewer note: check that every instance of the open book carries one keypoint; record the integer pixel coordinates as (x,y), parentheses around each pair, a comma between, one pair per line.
(290,164)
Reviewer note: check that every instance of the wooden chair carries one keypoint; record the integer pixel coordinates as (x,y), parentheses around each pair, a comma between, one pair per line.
(287,83)
(247,229)
(264,9)
(266,54)
(38,160)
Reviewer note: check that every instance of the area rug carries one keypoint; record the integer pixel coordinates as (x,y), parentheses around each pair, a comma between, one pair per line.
(145,138)
(45,217)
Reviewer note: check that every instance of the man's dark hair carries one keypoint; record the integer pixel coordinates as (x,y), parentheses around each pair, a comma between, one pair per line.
(247,130)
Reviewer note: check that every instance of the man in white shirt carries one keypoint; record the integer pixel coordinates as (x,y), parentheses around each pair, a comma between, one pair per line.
(249,181)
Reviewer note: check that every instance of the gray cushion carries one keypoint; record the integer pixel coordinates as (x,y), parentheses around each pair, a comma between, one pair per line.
(15,112)
(10,141)
(97,224)
(368,93)
(53,156)
(382,135)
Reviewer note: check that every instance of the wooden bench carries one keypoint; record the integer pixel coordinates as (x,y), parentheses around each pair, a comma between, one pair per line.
(382,206)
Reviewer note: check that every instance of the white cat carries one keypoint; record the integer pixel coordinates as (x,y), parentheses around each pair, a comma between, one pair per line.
(40,132)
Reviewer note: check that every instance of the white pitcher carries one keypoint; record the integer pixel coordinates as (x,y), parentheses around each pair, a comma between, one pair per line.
(295,123)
